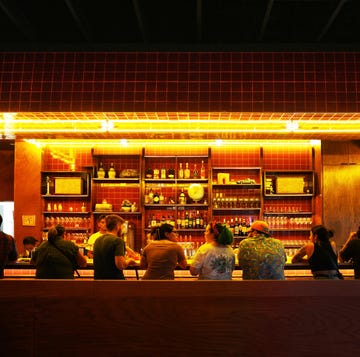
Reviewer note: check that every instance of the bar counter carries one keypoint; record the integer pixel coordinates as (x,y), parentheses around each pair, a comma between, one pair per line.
(292,271)
(179,318)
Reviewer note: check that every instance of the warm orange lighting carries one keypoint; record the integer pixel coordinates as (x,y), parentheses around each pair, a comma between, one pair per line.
(180,125)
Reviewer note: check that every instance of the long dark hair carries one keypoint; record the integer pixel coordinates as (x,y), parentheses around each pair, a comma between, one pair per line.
(323,237)
(164,228)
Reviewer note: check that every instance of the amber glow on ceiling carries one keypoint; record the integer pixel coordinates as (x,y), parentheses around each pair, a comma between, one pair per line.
(177,125)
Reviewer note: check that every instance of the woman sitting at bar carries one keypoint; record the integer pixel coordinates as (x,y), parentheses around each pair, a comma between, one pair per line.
(162,255)
(350,252)
(321,254)
(57,258)
(215,260)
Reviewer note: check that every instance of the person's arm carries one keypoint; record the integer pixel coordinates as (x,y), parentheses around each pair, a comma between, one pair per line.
(343,253)
(81,260)
(122,263)
(300,254)
(143,262)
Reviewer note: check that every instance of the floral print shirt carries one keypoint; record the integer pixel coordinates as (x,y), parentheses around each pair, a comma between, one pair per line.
(214,262)
(262,257)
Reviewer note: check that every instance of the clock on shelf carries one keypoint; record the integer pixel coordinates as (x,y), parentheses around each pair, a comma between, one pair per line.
(196,192)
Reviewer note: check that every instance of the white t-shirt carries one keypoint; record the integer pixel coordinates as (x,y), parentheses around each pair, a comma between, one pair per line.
(215,262)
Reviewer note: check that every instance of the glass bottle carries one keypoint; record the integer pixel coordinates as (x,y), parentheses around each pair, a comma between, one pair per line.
(202,170)
(181,171)
(187,171)
(163,173)
(195,172)
(182,197)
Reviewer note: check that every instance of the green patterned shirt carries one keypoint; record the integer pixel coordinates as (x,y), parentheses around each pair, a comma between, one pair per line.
(261,258)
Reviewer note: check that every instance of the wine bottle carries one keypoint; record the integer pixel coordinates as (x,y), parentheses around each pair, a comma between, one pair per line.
(187,171)
(202,170)
(195,172)
(181,171)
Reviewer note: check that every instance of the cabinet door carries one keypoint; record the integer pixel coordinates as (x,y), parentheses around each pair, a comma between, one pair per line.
(341,209)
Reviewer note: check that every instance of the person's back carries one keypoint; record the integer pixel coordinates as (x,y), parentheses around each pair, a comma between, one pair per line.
(351,251)
(105,249)
(8,250)
(261,256)
(323,257)
(162,257)
(53,264)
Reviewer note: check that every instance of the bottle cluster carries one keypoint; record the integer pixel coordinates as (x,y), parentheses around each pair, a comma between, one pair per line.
(192,219)
(184,171)
(220,200)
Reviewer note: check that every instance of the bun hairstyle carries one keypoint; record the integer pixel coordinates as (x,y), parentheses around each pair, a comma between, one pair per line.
(222,233)
(164,228)
(323,235)
(55,233)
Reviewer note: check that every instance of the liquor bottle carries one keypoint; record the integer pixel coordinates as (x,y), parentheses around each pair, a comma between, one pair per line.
(171,173)
(156,198)
(181,171)
(182,197)
(187,171)
(163,173)
(156,174)
(197,219)
(202,170)
(195,172)
(149,173)
(101,171)
(186,219)
(151,196)
(236,227)
(111,172)
(161,198)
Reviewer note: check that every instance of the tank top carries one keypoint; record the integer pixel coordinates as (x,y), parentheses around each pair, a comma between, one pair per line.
(323,258)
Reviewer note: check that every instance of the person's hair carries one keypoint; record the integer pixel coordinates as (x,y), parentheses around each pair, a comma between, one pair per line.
(155,232)
(164,228)
(112,220)
(222,233)
(321,232)
(30,240)
(56,233)
(102,216)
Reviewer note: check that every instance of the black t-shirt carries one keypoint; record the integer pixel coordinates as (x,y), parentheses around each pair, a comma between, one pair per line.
(106,248)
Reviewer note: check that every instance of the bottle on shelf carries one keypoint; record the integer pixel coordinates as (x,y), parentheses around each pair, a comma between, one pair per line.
(151,196)
(111,172)
(181,171)
(149,173)
(202,170)
(101,171)
(83,207)
(161,198)
(163,173)
(156,198)
(182,197)
(60,208)
(187,171)
(156,173)
(195,172)
(171,173)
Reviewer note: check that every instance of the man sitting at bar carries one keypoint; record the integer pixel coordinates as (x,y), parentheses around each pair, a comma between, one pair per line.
(260,255)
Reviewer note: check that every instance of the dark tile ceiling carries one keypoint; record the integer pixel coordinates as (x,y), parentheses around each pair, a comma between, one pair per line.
(179,25)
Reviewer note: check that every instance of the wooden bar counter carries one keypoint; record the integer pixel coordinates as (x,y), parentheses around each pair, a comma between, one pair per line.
(179,318)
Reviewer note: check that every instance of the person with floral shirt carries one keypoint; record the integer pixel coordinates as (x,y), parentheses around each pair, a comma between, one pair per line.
(215,260)
(261,256)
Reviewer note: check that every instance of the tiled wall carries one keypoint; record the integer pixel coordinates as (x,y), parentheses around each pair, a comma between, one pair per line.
(180,81)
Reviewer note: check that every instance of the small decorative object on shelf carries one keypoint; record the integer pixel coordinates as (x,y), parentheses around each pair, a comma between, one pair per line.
(149,173)
(126,206)
(171,173)
(112,172)
(101,171)
(196,192)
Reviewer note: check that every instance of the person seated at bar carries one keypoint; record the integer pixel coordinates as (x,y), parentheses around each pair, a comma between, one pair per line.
(215,260)
(57,258)
(350,252)
(8,252)
(162,255)
(260,255)
(110,252)
(29,243)
(320,253)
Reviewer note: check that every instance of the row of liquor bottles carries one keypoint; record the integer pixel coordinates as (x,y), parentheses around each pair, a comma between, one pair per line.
(184,172)
(192,219)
